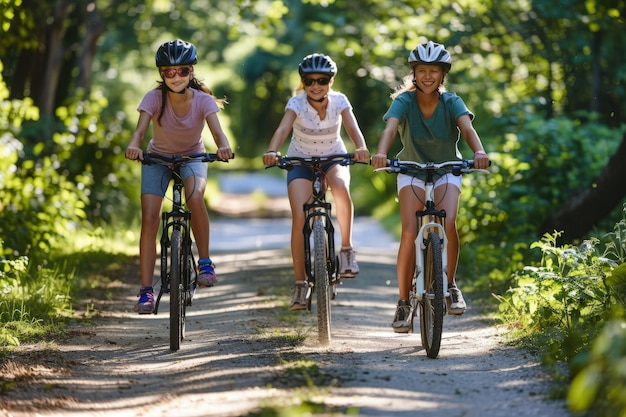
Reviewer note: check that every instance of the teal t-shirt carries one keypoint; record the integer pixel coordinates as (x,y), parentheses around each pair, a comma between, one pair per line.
(428,140)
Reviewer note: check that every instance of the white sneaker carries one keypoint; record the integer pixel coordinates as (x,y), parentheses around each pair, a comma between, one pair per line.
(456,305)
(300,296)
(348,268)
(402,319)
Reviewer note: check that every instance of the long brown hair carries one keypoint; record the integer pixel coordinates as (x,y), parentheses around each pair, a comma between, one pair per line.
(193,83)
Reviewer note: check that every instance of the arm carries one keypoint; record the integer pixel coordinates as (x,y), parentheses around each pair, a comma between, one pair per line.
(134,151)
(481,160)
(379,160)
(361,154)
(279,136)
(224,151)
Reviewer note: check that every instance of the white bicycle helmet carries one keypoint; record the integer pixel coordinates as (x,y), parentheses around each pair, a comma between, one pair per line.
(317,64)
(430,53)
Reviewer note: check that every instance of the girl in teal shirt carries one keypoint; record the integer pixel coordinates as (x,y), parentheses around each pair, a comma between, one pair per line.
(430,122)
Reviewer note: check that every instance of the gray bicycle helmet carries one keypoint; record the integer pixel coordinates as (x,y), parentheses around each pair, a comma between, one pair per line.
(430,53)
(176,52)
(317,64)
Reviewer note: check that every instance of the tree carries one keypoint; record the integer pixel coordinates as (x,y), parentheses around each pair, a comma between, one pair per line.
(578,215)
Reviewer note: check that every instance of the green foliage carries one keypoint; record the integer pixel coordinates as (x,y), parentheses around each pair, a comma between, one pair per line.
(562,301)
(572,307)
(601,384)
(33,299)
(38,204)
(538,166)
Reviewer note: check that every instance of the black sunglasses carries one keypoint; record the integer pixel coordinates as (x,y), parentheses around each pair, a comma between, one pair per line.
(320,81)
(171,73)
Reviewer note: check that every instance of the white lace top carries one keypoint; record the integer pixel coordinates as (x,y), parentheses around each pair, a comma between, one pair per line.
(312,136)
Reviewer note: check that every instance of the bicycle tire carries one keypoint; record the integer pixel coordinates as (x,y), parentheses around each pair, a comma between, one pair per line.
(432,303)
(177,304)
(322,287)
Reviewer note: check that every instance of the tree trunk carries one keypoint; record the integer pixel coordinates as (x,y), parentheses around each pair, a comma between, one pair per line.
(585,209)
(56,51)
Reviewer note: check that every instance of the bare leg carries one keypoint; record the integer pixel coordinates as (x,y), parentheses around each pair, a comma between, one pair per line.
(194,192)
(339,182)
(150,218)
(299,191)
(409,204)
(447,198)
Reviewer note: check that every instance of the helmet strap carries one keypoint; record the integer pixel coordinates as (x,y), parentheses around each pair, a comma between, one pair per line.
(183,91)
(416,86)
(317,100)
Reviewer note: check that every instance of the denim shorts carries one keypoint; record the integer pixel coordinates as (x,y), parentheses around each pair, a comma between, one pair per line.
(405,180)
(155,178)
(306,172)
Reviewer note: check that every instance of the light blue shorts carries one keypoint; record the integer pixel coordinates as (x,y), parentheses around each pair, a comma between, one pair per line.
(405,180)
(155,178)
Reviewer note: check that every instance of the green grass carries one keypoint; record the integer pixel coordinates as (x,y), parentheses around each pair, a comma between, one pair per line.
(39,295)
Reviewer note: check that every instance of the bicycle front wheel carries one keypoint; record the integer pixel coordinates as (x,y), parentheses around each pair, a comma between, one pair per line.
(177,304)
(322,287)
(431,306)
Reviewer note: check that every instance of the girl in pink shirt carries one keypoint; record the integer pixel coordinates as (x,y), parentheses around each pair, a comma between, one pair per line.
(178,109)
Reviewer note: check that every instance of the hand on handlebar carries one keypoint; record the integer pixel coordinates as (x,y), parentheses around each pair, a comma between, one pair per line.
(481,161)
(362,155)
(270,158)
(134,154)
(224,154)
(379,160)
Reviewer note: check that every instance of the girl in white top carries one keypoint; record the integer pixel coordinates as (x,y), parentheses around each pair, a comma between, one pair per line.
(314,116)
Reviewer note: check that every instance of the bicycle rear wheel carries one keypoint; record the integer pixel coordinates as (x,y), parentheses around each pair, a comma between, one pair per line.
(177,302)
(322,287)
(431,305)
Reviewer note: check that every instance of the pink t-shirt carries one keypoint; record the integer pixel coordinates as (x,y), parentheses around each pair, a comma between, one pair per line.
(178,135)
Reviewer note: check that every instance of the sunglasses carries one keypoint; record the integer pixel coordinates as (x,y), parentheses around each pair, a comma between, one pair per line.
(172,72)
(320,81)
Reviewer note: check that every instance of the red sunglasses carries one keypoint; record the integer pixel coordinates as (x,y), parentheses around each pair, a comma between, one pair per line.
(172,72)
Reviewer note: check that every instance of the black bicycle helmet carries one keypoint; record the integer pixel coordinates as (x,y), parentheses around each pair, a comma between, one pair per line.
(430,53)
(176,52)
(317,64)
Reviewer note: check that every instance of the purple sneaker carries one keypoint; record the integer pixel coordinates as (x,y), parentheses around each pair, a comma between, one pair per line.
(145,304)
(206,276)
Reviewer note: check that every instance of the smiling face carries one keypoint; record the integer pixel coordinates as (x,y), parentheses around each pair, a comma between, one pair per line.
(177,78)
(428,77)
(317,85)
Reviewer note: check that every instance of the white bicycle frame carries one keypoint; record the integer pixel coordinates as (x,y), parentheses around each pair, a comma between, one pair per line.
(420,247)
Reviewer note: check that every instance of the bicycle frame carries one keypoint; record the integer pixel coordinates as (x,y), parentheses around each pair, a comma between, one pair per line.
(428,220)
(177,219)
(319,208)
(179,274)
(321,261)
(429,286)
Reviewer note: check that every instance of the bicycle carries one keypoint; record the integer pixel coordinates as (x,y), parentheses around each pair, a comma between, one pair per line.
(429,288)
(178,265)
(321,260)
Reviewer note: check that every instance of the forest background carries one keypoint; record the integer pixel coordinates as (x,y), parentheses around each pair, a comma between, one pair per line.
(546,81)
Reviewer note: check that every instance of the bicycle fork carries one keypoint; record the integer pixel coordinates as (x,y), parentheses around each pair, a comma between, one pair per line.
(315,211)
(422,236)
(175,221)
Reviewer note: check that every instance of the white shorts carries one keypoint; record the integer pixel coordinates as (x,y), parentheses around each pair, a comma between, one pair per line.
(451,179)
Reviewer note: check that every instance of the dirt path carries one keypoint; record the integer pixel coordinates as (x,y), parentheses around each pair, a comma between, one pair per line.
(246,352)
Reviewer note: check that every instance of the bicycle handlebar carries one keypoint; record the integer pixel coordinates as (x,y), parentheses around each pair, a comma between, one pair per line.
(155,158)
(396,166)
(288,162)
